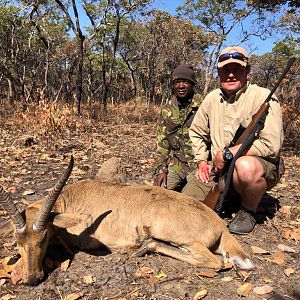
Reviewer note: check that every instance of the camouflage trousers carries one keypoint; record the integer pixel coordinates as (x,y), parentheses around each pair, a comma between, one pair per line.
(176,181)
(177,175)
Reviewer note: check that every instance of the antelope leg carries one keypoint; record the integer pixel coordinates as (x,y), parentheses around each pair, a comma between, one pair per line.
(202,258)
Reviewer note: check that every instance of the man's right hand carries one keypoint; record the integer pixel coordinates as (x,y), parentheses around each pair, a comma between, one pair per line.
(203,171)
(161,178)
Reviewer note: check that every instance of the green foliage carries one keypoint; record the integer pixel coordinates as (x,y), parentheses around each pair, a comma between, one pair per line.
(271,4)
(286,48)
(129,49)
(215,17)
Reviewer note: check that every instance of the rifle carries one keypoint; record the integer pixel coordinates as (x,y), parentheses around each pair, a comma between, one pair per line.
(215,198)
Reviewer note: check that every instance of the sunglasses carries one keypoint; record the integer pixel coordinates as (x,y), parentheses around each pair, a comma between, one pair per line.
(234,55)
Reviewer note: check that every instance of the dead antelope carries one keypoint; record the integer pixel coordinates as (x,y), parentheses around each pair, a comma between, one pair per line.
(89,214)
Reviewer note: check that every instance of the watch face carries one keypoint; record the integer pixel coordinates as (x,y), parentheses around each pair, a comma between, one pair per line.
(227,155)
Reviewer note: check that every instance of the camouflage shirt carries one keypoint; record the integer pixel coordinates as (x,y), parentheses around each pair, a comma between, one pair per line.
(173,143)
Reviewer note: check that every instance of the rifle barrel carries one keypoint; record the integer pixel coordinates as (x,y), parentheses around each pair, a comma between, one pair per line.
(287,68)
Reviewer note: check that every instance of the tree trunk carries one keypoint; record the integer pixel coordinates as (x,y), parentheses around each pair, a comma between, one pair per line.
(79,74)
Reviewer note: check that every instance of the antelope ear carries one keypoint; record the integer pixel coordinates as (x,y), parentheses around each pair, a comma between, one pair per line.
(7,228)
(66,220)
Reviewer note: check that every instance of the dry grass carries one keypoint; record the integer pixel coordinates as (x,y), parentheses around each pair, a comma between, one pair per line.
(131,112)
(291,126)
(56,120)
(48,119)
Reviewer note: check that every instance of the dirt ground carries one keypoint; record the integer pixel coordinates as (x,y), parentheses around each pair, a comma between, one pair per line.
(30,165)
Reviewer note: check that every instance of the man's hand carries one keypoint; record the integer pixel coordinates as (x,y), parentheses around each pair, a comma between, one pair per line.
(218,161)
(161,178)
(203,171)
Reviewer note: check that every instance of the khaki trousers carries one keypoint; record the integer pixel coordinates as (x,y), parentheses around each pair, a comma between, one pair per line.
(199,190)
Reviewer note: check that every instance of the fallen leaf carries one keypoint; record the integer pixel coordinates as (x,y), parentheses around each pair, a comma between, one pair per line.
(98,144)
(281,185)
(286,234)
(89,279)
(284,225)
(209,274)
(227,278)
(79,172)
(152,280)
(2,281)
(295,222)
(274,239)
(72,297)
(7,297)
(11,189)
(245,274)
(160,276)
(295,234)
(28,192)
(133,293)
(17,180)
(144,271)
(201,294)
(17,272)
(262,290)
(285,209)
(245,289)
(227,266)
(258,250)
(277,257)
(289,271)
(285,248)
(267,280)
(65,265)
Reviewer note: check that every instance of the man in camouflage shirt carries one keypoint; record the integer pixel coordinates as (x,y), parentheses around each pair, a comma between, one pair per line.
(175,157)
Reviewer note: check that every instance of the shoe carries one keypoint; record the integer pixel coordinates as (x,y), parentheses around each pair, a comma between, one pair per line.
(242,223)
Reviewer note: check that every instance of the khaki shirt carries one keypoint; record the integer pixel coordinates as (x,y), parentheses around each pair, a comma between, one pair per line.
(218,119)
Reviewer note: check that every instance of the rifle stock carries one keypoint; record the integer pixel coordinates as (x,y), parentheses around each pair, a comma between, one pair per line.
(216,195)
(213,196)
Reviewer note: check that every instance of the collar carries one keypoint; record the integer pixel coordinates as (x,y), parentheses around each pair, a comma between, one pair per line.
(235,97)
(185,104)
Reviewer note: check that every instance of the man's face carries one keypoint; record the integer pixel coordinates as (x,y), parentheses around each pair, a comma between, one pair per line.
(233,77)
(183,89)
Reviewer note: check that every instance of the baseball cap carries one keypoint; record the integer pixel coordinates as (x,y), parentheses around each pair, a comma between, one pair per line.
(233,54)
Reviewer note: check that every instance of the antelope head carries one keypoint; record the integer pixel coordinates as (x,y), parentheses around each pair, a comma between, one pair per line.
(33,230)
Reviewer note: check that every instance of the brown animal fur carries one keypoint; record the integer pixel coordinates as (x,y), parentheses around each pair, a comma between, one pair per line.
(129,216)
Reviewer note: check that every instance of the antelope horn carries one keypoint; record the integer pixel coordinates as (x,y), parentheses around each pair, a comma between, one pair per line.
(41,220)
(10,207)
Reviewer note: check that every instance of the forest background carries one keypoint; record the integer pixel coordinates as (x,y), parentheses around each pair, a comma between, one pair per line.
(88,78)
(126,50)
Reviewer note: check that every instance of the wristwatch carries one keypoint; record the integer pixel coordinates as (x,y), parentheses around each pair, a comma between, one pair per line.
(227,154)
